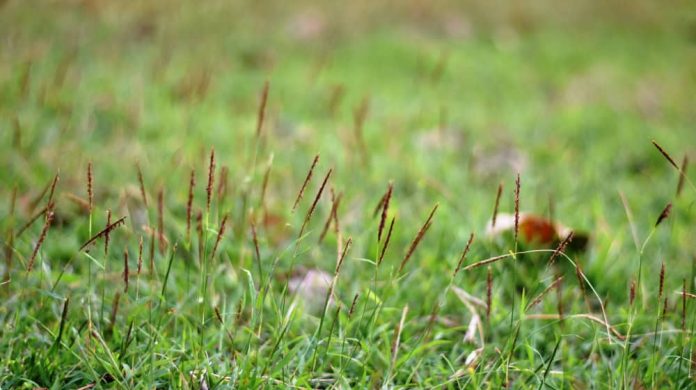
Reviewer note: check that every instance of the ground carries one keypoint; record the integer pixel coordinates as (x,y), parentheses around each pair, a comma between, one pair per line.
(443,102)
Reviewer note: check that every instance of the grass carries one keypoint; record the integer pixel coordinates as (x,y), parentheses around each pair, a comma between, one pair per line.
(421,118)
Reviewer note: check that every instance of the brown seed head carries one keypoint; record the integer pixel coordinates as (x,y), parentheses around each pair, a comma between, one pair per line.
(386,241)
(90,188)
(42,237)
(106,235)
(497,204)
(306,182)
(682,175)
(211,179)
(489,292)
(222,183)
(50,203)
(217,315)
(352,305)
(665,155)
(541,296)
(463,256)
(256,241)
(664,214)
(343,255)
(418,238)
(142,184)
(385,208)
(561,247)
(262,108)
(662,281)
(114,311)
(125,270)
(103,233)
(140,255)
(559,297)
(581,280)
(335,202)
(160,219)
(189,204)
(264,184)
(199,231)
(314,204)
(221,232)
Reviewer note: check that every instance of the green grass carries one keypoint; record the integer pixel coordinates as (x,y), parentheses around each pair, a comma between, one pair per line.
(570,100)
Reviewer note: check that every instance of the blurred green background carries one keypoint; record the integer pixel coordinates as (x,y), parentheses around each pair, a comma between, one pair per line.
(459,96)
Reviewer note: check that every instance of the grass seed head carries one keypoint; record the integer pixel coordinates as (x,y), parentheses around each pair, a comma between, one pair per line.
(561,247)
(90,188)
(581,280)
(114,311)
(335,203)
(141,181)
(199,233)
(152,253)
(42,237)
(497,204)
(385,209)
(222,183)
(160,219)
(31,221)
(335,98)
(352,305)
(189,204)
(125,270)
(264,185)
(463,256)
(559,297)
(211,180)
(489,292)
(665,154)
(664,214)
(256,240)
(221,233)
(540,297)
(140,255)
(217,315)
(316,201)
(662,281)
(106,234)
(262,109)
(346,247)
(306,182)
(35,201)
(682,176)
(50,203)
(418,238)
(386,241)
(359,116)
(103,233)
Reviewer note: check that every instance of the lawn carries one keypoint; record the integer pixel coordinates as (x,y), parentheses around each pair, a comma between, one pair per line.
(225,194)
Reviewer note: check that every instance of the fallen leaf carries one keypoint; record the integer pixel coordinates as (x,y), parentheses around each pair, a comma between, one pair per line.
(536,230)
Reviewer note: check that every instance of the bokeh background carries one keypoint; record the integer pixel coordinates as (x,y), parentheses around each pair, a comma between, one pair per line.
(457,97)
